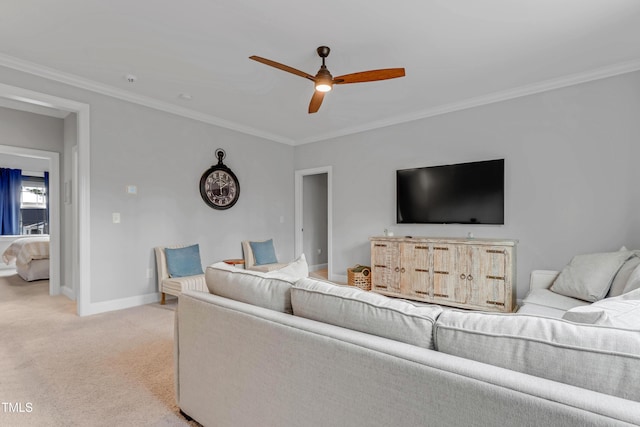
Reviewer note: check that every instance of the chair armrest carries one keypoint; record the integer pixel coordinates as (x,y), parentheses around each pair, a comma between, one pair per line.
(542,279)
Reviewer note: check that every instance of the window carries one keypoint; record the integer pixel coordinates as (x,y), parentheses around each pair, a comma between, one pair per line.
(33,206)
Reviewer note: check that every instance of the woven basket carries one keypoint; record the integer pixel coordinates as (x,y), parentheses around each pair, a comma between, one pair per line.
(360,279)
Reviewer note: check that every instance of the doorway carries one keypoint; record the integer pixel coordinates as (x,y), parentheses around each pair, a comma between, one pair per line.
(313,219)
(81,265)
(53,162)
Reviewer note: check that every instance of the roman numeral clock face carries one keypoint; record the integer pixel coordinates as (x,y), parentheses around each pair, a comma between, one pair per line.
(219,187)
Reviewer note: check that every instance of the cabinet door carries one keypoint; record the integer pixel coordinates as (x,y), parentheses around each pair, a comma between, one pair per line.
(415,279)
(493,265)
(445,269)
(385,266)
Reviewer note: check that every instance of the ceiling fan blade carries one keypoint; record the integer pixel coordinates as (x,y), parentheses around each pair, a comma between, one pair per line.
(370,76)
(316,101)
(282,67)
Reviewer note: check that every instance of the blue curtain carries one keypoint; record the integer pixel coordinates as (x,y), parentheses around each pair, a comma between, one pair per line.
(46,192)
(10,190)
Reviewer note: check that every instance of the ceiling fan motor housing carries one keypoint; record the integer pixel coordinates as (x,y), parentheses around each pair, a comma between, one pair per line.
(323,51)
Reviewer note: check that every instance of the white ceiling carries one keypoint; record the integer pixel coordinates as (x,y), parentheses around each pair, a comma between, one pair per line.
(457,53)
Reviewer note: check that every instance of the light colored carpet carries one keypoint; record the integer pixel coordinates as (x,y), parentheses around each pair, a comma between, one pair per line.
(111,369)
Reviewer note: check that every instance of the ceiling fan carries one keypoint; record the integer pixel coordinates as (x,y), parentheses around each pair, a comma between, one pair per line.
(324,81)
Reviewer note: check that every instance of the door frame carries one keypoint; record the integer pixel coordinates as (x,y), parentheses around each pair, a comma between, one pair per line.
(298,219)
(83,242)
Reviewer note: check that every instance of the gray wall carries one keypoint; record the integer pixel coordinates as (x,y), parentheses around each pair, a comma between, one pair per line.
(571,174)
(29,130)
(315,218)
(164,156)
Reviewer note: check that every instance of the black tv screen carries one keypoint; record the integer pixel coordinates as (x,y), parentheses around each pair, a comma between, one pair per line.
(465,193)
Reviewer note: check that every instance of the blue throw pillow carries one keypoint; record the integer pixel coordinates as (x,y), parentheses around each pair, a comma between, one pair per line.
(183,262)
(264,252)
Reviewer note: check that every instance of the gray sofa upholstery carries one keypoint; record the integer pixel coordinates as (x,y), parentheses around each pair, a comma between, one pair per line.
(241,364)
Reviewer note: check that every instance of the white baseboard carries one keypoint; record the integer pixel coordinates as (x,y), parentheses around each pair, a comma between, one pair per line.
(317,267)
(68,292)
(120,304)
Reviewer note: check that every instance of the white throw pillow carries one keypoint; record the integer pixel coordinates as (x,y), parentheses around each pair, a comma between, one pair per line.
(622,278)
(620,312)
(633,282)
(588,277)
(298,269)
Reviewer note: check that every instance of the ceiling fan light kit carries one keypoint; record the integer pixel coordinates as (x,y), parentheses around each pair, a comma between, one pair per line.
(324,81)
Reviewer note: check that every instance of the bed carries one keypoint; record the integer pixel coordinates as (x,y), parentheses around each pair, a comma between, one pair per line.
(31,256)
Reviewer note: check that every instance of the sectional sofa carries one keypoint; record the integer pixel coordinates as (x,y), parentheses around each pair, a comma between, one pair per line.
(271,349)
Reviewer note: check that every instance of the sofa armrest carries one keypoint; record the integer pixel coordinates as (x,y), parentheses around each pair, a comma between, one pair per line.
(542,279)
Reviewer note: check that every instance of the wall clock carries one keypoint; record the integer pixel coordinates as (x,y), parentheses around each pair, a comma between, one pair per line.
(219,186)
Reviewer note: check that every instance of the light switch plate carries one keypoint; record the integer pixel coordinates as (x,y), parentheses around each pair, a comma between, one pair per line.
(116,217)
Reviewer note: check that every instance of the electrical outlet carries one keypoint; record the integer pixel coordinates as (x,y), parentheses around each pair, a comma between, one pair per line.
(149,273)
(319,251)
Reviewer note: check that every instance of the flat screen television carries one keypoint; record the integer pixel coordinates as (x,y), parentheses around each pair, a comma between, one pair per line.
(464,193)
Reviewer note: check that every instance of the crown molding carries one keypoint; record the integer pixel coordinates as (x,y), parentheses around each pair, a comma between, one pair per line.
(532,89)
(82,83)
(544,86)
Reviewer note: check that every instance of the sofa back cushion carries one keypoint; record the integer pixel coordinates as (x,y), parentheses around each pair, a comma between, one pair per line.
(594,357)
(353,308)
(252,287)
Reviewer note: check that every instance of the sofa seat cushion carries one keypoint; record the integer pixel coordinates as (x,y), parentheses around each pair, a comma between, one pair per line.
(176,285)
(541,310)
(251,287)
(547,298)
(268,267)
(352,308)
(598,358)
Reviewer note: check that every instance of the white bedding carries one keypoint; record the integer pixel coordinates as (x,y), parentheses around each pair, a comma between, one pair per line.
(31,255)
